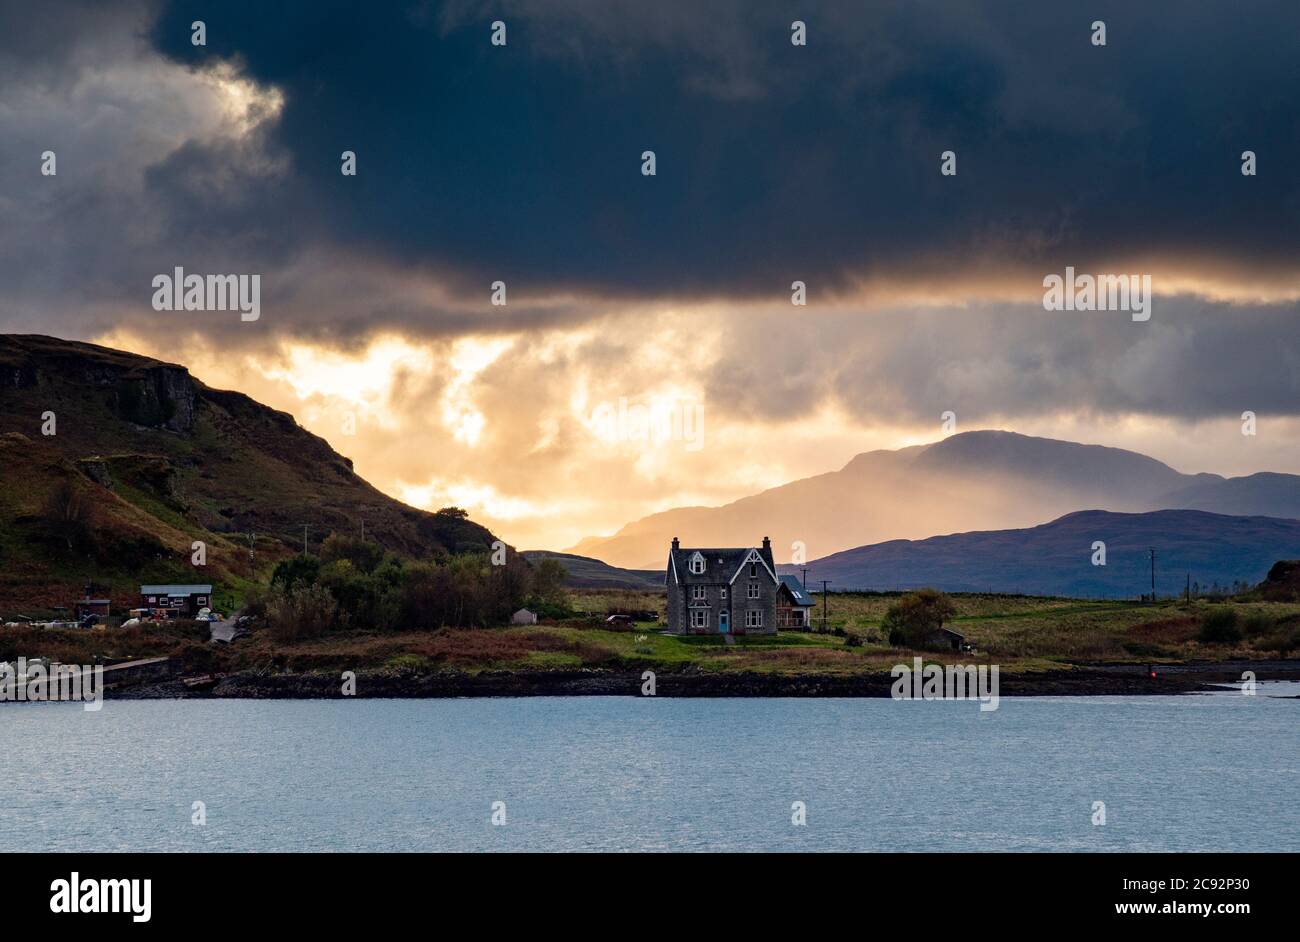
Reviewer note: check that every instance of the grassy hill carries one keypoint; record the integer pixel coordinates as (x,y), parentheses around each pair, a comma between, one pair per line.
(144,460)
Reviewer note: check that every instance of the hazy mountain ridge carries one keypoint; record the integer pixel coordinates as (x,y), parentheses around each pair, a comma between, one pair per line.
(1056,558)
(982,480)
(583,572)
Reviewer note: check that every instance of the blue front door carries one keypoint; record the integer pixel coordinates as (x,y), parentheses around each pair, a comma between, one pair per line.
(724,622)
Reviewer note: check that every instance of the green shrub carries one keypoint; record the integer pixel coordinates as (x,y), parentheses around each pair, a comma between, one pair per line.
(255,600)
(1283,642)
(305,612)
(1257,625)
(407,662)
(295,571)
(915,619)
(1219,626)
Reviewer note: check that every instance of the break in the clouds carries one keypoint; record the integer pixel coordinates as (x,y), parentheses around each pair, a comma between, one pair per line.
(522,163)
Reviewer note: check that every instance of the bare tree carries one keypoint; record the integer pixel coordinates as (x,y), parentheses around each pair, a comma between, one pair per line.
(69,515)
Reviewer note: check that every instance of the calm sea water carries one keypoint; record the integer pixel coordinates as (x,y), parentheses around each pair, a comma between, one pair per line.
(1217,772)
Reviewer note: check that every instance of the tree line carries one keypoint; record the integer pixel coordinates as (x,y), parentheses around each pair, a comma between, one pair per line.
(355,584)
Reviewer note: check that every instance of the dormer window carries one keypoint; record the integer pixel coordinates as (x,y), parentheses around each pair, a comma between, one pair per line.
(697,564)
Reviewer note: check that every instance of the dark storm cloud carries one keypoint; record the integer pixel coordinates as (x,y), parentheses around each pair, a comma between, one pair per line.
(774,162)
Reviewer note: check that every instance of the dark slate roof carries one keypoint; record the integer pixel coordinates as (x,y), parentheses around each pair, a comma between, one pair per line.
(797,591)
(719,564)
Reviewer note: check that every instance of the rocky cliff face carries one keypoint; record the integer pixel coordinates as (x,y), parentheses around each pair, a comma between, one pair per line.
(158,453)
(162,398)
(144,392)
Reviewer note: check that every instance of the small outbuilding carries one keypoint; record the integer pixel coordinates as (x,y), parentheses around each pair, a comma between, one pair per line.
(89,606)
(176,601)
(793,604)
(523,617)
(946,637)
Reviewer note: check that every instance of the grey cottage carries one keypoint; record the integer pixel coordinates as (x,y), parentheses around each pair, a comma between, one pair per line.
(722,591)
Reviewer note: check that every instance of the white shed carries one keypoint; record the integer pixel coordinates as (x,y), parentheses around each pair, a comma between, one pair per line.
(523,617)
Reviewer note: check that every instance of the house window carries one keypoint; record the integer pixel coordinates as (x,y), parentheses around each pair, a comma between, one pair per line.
(698,593)
(754,618)
(700,618)
(724,591)
(697,564)
(753,590)
(753,570)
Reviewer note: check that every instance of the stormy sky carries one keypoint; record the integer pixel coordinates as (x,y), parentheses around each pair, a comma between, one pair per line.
(522,163)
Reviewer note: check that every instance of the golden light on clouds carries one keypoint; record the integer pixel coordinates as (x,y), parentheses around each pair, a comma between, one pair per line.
(471,495)
(240,103)
(362,379)
(469,357)
(535,432)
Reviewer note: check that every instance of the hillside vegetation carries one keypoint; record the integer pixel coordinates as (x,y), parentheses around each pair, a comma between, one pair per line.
(143,460)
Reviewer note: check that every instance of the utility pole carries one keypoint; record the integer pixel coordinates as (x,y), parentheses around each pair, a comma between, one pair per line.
(1153,575)
(304,539)
(1188,591)
(825,583)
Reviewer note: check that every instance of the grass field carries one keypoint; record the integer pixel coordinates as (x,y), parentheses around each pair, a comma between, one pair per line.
(1020,633)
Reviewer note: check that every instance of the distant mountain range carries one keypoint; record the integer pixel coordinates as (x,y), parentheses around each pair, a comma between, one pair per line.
(1057,558)
(112,464)
(983,480)
(587,573)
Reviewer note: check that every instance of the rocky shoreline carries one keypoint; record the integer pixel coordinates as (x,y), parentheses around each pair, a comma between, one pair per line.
(1098,680)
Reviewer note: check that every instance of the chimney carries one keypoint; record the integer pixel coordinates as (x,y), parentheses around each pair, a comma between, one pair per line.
(676,545)
(767,544)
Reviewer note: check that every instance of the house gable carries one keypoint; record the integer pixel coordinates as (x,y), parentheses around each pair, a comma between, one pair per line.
(719,564)
(753,556)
